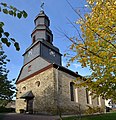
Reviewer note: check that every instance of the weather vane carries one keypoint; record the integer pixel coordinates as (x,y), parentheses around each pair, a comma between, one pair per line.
(42,5)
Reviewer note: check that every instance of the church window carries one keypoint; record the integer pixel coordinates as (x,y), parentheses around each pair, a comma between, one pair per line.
(98,101)
(87,96)
(29,68)
(24,88)
(37,83)
(72,91)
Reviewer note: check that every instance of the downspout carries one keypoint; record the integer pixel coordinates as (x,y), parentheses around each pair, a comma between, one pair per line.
(57,89)
(57,92)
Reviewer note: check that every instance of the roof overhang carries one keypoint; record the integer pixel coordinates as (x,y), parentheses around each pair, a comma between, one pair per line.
(27,95)
(59,67)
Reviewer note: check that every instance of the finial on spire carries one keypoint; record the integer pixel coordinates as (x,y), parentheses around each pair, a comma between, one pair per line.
(42,5)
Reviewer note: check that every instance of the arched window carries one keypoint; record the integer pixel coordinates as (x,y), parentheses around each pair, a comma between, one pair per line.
(24,88)
(37,83)
(72,91)
(97,100)
(88,97)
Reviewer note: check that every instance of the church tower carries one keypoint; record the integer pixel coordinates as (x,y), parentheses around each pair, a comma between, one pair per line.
(42,52)
(35,83)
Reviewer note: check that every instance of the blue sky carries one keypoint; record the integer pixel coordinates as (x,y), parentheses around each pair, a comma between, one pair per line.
(58,11)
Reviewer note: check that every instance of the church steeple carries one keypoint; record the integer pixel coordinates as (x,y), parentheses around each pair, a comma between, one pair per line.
(41,30)
(41,52)
(42,39)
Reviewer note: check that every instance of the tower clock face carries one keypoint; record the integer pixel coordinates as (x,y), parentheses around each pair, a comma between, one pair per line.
(52,53)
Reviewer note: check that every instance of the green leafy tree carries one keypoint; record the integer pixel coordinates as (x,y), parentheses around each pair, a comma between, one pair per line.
(6,86)
(4,35)
(7,89)
(97,47)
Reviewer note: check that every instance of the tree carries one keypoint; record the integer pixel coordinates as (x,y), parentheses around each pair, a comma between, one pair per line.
(7,89)
(6,86)
(13,11)
(97,47)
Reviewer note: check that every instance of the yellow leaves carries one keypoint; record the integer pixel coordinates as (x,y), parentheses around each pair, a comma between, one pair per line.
(98,49)
(81,45)
(82,28)
(115,3)
(72,59)
(103,53)
(80,21)
(72,46)
(90,2)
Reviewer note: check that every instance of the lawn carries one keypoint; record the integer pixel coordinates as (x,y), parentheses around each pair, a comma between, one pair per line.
(108,116)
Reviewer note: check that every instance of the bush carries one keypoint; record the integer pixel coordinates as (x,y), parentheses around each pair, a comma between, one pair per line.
(92,110)
(6,110)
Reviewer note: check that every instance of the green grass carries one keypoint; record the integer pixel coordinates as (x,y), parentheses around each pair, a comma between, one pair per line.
(108,116)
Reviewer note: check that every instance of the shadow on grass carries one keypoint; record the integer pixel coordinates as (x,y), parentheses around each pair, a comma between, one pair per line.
(107,116)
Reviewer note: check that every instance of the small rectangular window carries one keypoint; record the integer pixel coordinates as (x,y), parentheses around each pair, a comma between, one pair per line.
(29,68)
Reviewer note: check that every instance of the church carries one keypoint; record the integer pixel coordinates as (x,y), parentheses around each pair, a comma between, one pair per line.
(44,85)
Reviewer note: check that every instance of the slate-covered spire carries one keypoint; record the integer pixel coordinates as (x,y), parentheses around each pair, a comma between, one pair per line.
(41,30)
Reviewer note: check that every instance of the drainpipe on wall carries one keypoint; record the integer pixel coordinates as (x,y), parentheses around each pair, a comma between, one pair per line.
(57,87)
(57,92)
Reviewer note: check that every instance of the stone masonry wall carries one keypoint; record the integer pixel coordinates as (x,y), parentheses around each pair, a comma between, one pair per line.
(44,93)
(53,94)
(65,103)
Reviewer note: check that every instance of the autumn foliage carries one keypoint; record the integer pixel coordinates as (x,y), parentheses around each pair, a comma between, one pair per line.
(97,47)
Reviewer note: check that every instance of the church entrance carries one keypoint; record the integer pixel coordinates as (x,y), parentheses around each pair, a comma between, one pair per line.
(29,105)
(29,98)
